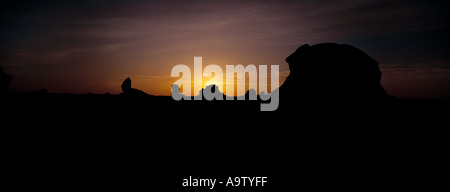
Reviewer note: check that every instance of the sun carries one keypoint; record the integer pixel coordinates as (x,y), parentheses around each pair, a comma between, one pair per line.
(211,81)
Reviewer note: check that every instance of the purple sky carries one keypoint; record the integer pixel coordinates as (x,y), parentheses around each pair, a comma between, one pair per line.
(91,46)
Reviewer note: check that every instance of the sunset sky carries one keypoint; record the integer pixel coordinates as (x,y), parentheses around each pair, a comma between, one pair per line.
(92,46)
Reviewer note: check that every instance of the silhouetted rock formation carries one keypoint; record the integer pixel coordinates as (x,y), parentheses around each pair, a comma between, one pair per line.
(175,92)
(5,79)
(128,91)
(214,93)
(331,72)
(213,89)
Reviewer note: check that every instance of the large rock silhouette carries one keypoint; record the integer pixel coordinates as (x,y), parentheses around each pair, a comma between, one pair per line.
(331,72)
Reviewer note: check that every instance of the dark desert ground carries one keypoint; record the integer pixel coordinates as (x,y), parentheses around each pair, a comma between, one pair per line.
(135,141)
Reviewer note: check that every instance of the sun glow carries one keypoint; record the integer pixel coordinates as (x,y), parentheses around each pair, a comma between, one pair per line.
(211,81)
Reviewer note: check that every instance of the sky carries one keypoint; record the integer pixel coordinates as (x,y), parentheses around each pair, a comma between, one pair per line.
(92,46)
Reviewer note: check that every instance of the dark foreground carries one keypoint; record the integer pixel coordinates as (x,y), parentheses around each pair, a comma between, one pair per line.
(60,142)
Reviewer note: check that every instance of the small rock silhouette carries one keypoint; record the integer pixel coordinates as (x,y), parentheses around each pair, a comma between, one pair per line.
(128,91)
